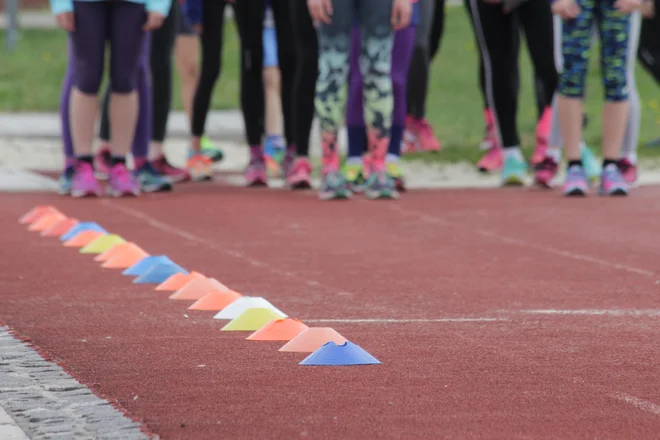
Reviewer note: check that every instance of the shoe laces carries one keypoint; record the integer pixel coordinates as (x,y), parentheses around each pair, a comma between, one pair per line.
(120,174)
(612,174)
(546,164)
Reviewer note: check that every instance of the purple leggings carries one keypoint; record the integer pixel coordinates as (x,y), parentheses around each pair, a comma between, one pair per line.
(402,50)
(142,130)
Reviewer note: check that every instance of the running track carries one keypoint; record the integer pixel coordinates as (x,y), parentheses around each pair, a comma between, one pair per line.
(496,313)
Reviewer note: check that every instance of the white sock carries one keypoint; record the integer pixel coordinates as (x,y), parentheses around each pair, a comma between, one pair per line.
(354,160)
(554,154)
(632,157)
(513,152)
(391,158)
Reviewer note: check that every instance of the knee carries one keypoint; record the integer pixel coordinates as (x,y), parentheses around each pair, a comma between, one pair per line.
(210,70)
(87,80)
(572,79)
(272,78)
(615,83)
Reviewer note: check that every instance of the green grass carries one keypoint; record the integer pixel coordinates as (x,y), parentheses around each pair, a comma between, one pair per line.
(30,80)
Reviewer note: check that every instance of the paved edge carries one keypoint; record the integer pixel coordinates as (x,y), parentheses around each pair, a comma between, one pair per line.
(9,430)
(46,402)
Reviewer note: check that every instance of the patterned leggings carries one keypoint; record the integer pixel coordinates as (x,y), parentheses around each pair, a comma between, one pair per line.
(375,64)
(614,29)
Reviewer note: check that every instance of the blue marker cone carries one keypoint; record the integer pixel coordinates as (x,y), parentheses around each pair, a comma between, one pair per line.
(145,264)
(80,227)
(331,354)
(159,273)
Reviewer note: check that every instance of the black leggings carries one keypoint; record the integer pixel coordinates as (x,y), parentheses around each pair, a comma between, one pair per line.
(649,45)
(213,20)
(250,20)
(498,37)
(307,71)
(160,61)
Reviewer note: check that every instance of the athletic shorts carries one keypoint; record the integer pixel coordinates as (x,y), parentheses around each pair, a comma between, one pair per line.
(270,47)
(183,27)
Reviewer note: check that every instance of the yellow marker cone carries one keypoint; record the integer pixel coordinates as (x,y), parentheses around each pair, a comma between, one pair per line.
(102,244)
(251,320)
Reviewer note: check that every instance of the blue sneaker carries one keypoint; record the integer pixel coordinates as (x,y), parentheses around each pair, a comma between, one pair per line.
(212,152)
(334,186)
(590,164)
(66,180)
(274,150)
(380,185)
(514,171)
(612,182)
(576,183)
(151,180)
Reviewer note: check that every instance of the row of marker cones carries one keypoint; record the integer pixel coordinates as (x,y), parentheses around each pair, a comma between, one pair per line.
(255,315)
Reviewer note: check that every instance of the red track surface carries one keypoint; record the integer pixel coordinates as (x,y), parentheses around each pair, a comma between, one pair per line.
(445,254)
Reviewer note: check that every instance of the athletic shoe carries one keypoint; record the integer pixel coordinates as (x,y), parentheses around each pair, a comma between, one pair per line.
(542,133)
(210,150)
(274,155)
(103,163)
(66,180)
(121,182)
(84,182)
(514,171)
(576,183)
(628,170)
(255,173)
(395,172)
(151,180)
(545,172)
(591,165)
(169,171)
(199,167)
(354,174)
(491,161)
(420,136)
(298,175)
(410,140)
(334,186)
(380,186)
(612,182)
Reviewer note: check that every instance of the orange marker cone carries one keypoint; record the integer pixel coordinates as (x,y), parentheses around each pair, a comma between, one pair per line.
(83,239)
(114,250)
(128,256)
(284,329)
(35,213)
(215,300)
(312,339)
(46,221)
(177,281)
(60,228)
(198,288)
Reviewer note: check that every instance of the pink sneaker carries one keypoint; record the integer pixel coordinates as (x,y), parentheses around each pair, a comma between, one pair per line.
(122,183)
(84,182)
(542,133)
(255,173)
(628,170)
(426,136)
(545,172)
(492,160)
(172,173)
(103,162)
(299,174)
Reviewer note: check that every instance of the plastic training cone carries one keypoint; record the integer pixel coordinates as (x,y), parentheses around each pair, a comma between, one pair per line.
(177,281)
(102,244)
(46,221)
(113,251)
(215,300)
(83,239)
(80,227)
(234,310)
(198,288)
(251,320)
(60,228)
(312,339)
(283,329)
(159,273)
(331,354)
(35,213)
(145,264)
(127,257)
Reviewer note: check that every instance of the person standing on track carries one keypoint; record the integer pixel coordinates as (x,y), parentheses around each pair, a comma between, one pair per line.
(614,21)
(356,168)
(90,23)
(649,45)
(378,20)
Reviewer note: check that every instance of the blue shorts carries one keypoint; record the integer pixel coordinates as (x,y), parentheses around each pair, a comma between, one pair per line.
(270,47)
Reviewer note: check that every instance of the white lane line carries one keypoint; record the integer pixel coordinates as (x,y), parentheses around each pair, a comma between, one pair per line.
(638,403)
(402,321)
(517,242)
(594,312)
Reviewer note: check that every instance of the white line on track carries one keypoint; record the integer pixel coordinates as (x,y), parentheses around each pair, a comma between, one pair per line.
(594,312)
(638,403)
(517,242)
(402,321)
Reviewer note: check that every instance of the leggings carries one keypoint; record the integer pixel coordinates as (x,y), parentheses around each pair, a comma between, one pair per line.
(497,33)
(375,63)
(404,41)
(649,44)
(631,137)
(307,70)
(250,20)
(162,44)
(121,22)
(417,87)
(143,128)
(213,20)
